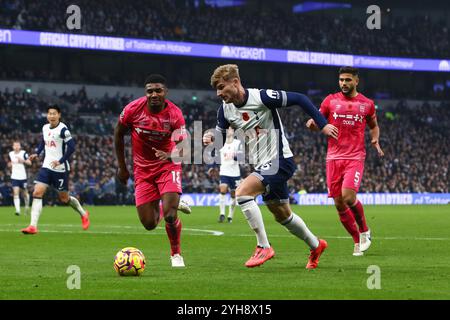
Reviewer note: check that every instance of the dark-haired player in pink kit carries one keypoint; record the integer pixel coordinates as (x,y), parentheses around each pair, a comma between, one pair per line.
(156,125)
(349,111)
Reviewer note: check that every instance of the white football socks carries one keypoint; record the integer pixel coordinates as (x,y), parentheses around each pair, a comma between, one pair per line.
(36,209)
(298,228)
(222,204)
(17,204)
(254,217)
(75,204)
(231,208)
(26,199)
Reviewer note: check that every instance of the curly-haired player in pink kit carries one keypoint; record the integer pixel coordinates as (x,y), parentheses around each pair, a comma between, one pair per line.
(349,111)
(156,125)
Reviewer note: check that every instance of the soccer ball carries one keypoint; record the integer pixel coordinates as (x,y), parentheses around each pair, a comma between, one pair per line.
(129,262)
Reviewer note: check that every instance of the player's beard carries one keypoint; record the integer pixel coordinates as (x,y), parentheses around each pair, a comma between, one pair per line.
(155,105)
(349,91)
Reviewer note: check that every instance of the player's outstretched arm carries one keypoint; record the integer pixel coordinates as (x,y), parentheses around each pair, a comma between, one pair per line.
(119,146)
(294,98)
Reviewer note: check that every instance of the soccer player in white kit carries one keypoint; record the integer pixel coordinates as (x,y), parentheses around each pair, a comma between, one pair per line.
(59,146)
(19,158)
(254,113)
(230,174)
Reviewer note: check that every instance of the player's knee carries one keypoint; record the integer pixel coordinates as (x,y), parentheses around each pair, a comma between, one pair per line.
(339,203)
(348,199)
(64,198)
(149,225)
(37,194)
(170,218)
(240,192)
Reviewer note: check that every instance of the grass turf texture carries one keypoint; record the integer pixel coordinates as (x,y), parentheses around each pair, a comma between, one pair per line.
(410,246)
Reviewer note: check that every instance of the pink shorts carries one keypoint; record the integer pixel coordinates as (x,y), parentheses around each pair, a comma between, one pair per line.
(153,187)
(343,174)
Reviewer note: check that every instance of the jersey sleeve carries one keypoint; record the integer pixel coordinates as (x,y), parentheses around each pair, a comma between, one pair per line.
(222,123)
(179,128)
(65,135)
(371,113)
(325,106)
(25,156)
(273,98)
(125,116)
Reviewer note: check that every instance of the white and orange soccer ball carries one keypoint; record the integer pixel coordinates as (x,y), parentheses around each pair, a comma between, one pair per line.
(129,261)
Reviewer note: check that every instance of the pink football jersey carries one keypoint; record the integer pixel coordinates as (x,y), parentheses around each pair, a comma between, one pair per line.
(152,130)
(349,115)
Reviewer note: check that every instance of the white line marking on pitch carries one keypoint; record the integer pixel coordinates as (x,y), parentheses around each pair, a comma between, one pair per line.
(203,232)
(139,230)
(342,237)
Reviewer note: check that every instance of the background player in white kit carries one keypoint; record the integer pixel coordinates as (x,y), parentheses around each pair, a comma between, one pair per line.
(230,174)
(59,146)
(19,158)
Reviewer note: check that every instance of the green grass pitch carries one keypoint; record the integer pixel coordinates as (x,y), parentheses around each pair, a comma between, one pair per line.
(410,247)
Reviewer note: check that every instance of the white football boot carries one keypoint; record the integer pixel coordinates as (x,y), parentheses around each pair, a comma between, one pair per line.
(177,260)
(356,251)
(364,240)
(183,206)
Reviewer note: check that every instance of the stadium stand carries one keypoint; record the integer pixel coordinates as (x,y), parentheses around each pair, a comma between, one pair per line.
(414,36)
(410,133)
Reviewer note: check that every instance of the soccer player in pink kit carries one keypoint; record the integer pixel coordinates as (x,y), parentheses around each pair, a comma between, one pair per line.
(156,125)
(349,111)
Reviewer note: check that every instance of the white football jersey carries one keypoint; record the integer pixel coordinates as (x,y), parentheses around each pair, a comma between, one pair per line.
(55,145)
(260,121)
(228,165)
(18,171)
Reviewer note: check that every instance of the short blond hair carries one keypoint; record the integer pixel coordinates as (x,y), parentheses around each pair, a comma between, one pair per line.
(225,72)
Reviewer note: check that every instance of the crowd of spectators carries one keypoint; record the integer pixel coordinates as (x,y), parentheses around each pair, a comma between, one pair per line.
(268,26)
(415,139)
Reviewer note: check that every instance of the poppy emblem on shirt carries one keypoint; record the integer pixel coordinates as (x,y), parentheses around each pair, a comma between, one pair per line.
(245,116)
(154,125)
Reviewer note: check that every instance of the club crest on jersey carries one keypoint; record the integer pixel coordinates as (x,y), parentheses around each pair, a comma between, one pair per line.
(166,125)
(362,108)
(245,116)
